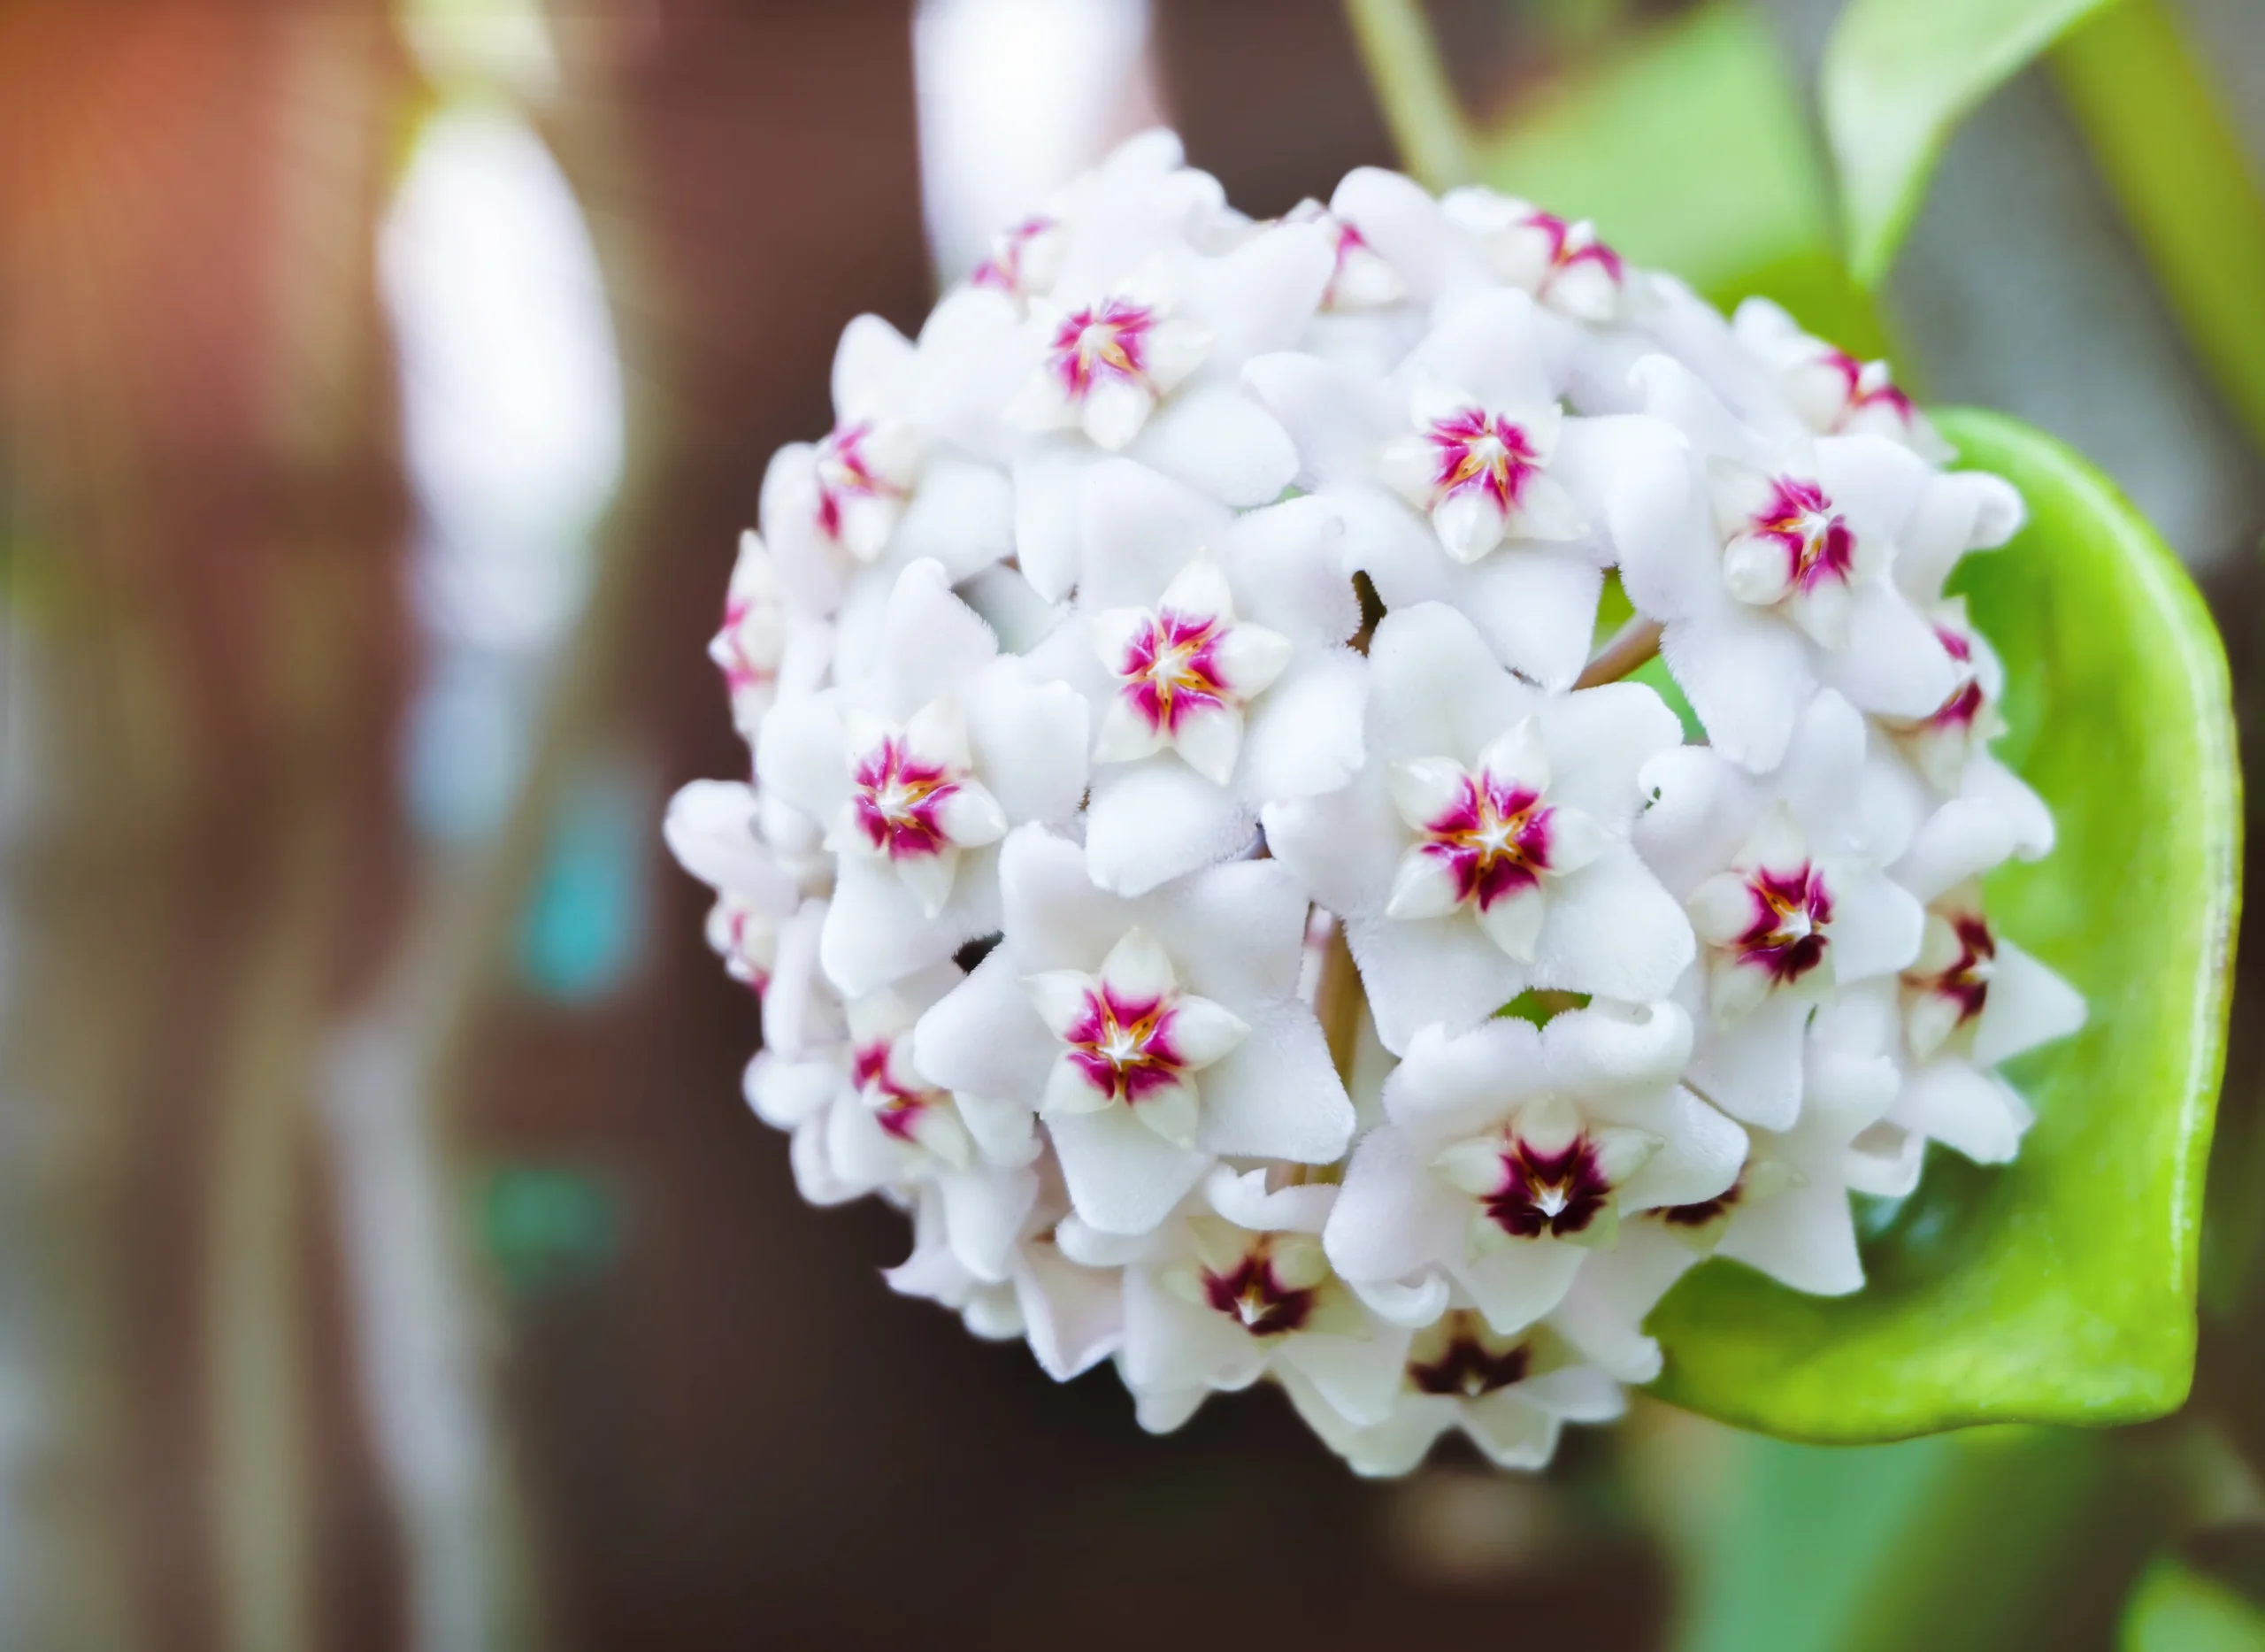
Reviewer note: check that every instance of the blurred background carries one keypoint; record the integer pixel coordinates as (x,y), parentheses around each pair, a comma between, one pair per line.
(386,1257)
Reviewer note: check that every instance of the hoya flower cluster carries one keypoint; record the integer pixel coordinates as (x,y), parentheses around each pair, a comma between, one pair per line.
(1204,864)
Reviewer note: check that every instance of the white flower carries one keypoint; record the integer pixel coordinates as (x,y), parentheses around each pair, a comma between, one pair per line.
(903,474)
(1361,279)
(1238,1287)
(1971,997)
(1834,393)
(1767,562)
(1213,648)
(1148,366)
(1483,848)
(1462,480)
(1156,1034)
(1788,1214)
(1784,879)
(1510,1392)
(916,772)
(1562,265)
(713,829)
(1511,1151)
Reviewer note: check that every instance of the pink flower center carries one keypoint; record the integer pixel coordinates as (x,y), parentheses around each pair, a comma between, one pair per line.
(1107,340)
(1868,386)
(1965,981)
(1494,840)
(1251,1296)
(899,800)
(1124,1046)
(1816,541)
(1558,1193)
(1962,709)
(1464,1363)
(1483,451)
(1348,242)
(896,1107)
(846,472)
(1571,244)
(1786,935)
(729,653)
(1003,270)
(1170,669)
(740,963)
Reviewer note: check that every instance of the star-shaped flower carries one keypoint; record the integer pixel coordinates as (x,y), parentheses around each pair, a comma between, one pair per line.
(915,772)
(1483,847)
(1784,879)
(1461,480)
(1768,564)
(1156,1035)
(1215,647)
(1510,1152)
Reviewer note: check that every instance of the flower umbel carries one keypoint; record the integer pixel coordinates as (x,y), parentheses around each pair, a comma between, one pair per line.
(1221,863)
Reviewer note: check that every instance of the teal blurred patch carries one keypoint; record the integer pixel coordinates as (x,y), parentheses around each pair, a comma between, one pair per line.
(547,1225)
(585,917)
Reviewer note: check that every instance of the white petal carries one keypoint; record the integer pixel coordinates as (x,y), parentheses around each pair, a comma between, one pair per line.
(1513,921)
(1114,411)
(1029,741)
(1875,925)
(1199,591)
(1210,740)
(1440,970)
(1518,757)
(1154,821)
(972,817)
(1393,1217)
(1060,996)
(1276,1094)
(1221,444)
(1967,1110)
(1545,512)
(1250,658)
(1753,1070)
(1748,678)
(2028,1005)
(1070,1092)
(1122,1177)
(1423,885)
(984,1037)
(1613,931)
(1202,1032)
(1409,465)
(1468,524)
(1126,735)
(1803,1237)
(1423,790)
(1518,1284)
(1172,1111)
(1138,970)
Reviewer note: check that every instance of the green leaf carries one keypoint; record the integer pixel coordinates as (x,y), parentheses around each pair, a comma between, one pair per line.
(2059,1289)
(1899,76)
(1748,211)
(2177,1609)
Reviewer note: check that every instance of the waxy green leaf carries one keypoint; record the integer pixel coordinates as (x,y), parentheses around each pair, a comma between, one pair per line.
(2059,1289)
(1899,77)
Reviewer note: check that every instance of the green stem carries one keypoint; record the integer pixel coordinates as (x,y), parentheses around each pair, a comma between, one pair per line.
(2159,131)
(1412,89)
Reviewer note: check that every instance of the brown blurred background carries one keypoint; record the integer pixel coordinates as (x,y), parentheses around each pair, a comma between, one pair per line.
(386,1257)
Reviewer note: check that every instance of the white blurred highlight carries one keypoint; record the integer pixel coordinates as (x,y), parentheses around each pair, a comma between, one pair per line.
(1015,97)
